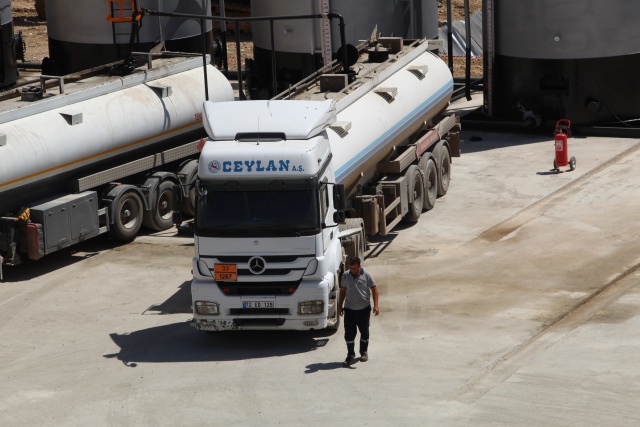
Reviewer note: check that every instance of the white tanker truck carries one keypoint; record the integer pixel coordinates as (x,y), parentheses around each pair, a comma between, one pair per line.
(96,153)
(277,178)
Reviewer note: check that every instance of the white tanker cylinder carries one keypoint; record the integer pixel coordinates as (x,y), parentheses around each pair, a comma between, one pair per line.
(41,151)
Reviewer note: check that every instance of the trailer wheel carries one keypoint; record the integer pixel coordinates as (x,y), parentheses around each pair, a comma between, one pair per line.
(416,192)
(128,216)
(444,172)
(430,183)
(160,216)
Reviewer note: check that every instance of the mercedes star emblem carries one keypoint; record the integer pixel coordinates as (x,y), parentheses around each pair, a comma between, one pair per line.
(257,265)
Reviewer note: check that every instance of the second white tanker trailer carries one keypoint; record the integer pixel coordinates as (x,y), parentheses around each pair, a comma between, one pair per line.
(277,179)
(88,153)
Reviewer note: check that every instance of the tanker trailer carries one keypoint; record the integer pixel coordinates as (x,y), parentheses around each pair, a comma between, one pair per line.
(288,188)
(88,153)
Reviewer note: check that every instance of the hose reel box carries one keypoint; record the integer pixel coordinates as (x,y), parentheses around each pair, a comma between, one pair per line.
(67,220)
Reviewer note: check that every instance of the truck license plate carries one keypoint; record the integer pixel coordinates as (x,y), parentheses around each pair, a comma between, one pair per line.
(258,304)
(226,272)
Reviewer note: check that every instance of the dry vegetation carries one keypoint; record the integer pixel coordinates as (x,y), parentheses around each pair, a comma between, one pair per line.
(34,33)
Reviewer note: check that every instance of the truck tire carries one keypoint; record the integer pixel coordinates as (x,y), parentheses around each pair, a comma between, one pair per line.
(444,171)
(160,215)
(416,192)
(128,216)
(430,183)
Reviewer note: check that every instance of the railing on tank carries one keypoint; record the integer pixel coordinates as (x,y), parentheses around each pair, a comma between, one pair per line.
(331,15)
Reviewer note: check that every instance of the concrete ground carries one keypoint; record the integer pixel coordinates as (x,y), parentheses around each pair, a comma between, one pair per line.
(516,301)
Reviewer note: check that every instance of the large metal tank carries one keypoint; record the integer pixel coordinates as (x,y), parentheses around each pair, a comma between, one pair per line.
(299,44)
(101,123)
(552,59)
(80,37)
(8,67)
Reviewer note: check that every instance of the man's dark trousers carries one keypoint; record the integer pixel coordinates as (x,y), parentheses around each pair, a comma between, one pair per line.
(355,320)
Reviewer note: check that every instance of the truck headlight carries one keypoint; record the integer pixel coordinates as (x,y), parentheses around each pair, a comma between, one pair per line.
(207,308)
(311,307)
(311,268)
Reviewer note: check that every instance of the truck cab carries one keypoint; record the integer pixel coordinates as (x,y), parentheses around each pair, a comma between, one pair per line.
(267,253)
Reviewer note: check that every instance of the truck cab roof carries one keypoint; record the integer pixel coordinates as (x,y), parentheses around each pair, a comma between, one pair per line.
(291,120)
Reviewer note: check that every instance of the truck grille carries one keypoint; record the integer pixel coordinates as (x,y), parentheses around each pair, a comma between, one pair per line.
(231,259)
(267,288)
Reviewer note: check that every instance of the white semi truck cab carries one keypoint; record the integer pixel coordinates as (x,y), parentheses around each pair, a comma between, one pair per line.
(277,179)
(267,247)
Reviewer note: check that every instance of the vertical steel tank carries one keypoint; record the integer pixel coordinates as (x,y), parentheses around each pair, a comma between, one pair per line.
(553,59)
(299,43)
(80,37)
(8,66)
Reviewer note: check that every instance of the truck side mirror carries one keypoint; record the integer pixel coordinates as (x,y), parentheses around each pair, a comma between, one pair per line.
(339,200)
(339,217)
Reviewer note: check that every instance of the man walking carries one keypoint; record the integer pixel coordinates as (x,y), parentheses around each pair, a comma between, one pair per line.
(356,289)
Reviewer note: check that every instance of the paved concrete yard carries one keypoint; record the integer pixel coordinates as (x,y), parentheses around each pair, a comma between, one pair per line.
(516,301)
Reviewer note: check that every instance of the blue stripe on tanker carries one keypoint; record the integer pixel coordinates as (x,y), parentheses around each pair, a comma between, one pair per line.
(363,156)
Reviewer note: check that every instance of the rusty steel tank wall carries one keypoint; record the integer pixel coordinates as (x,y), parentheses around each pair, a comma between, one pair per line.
(80,37)
(562,59)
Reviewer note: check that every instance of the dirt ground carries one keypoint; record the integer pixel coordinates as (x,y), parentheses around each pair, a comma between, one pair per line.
(34,33)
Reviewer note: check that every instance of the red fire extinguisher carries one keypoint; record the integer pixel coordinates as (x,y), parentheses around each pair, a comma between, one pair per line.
(561,135)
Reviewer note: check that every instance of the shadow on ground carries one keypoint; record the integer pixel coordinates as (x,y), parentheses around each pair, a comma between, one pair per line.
(178,342)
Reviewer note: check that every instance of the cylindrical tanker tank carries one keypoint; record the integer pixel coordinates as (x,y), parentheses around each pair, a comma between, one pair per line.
(102,124)
(8,66)
(299,43)
(563,59)
(80,37)
(377,125)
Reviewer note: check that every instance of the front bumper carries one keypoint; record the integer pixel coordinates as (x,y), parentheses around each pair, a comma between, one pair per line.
(285,314)
(256,324)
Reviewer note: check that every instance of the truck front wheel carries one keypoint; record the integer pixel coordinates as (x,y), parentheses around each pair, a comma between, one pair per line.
(128,216)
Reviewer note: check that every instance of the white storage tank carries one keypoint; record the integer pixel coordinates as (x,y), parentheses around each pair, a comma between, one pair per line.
(299,43)
(80,37)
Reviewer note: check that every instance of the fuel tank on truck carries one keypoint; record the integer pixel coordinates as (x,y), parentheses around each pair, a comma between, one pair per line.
(80,37)
(383,107)
(99,121)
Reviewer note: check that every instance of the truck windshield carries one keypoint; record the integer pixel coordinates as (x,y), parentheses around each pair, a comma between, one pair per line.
(258,213)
